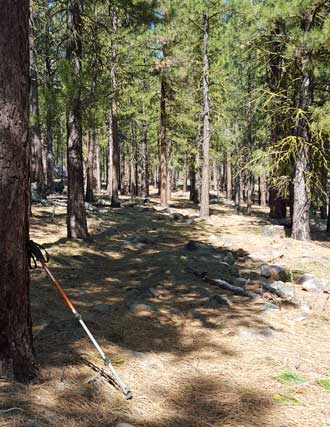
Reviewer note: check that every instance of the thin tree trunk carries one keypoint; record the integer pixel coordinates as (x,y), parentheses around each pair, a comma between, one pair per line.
(204,207)
(115,141)
(263,190)
(229,190)
(96,164)
(249,194)
(215,176)
(49,105)
(110,155)
(90,166)
(37,173)
(185,174)
(76,214)
(16,355)
(144,159)
(163,146)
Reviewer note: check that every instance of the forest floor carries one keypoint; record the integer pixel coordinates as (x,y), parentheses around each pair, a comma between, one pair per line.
(190,359)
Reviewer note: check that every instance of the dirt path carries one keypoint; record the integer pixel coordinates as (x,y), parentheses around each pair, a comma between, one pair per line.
(190,359)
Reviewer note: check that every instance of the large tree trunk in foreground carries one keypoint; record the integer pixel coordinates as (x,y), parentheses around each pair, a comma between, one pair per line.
(16,358)
(205,187)
(76,214)
(37,173)
(163,146)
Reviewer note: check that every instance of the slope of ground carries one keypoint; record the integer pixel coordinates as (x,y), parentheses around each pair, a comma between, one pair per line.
(192,354)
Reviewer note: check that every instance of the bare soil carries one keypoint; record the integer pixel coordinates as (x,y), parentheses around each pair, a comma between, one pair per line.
(188,361)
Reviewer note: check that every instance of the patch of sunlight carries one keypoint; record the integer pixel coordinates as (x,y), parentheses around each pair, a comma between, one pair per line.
(288,399)
(325,383)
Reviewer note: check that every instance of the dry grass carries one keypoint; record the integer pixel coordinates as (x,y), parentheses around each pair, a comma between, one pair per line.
(186,362)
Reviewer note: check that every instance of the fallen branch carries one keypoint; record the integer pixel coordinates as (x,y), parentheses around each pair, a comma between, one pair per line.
(222,284)
(6,411)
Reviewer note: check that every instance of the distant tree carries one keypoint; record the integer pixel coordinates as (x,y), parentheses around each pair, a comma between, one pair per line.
(76,213)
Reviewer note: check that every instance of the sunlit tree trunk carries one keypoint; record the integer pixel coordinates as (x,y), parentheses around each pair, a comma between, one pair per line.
(204,207)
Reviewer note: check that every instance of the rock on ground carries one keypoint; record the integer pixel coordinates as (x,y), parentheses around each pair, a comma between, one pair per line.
(274,272)
(311,283)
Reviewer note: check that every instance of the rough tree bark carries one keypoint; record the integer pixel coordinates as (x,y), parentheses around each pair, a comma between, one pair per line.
(16,355)
(277,84)
(204,207)
(76,213)
(304,91)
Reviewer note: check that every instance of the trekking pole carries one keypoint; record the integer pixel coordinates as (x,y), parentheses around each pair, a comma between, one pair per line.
(35,253)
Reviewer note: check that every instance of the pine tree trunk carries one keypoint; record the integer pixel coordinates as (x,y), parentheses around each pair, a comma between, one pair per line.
(90,167)
(204,207)
(249,194)
(263,190)
(49,106)
(163,146)
(76,214)
(37,173)
(185,174)
(115,141)
(96,164)
(110,155)
(229,190)
(301,203)
(144,160)
(16,355)
(215,176)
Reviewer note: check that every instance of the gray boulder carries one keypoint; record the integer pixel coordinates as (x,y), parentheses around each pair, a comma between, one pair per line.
(311,283)
(280,289)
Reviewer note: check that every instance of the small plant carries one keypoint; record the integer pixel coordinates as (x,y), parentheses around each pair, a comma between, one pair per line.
(325,383)
(291,378)
(287,399)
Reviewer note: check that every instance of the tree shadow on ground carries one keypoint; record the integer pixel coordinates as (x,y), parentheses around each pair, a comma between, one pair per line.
(133,288)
